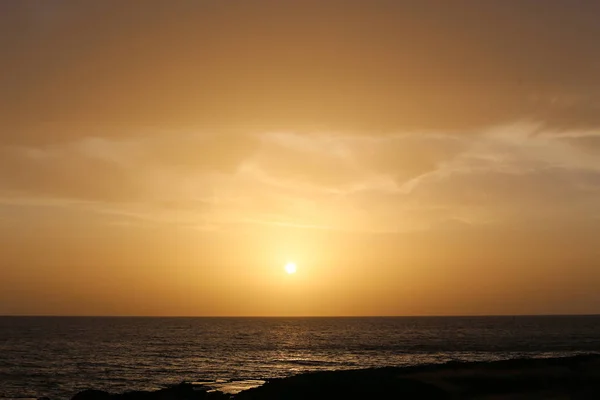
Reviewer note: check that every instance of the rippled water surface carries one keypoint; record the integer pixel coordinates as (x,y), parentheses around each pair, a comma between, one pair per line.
(56,357)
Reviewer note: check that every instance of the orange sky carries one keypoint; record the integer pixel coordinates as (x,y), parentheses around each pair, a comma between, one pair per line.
(413,158)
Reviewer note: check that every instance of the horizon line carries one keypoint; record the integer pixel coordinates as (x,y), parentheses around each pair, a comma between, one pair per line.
(295,316)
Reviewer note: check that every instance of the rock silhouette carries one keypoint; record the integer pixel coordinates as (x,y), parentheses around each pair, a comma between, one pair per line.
(575,377)
(183,391)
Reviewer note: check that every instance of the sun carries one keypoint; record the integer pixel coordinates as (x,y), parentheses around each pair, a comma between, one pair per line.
(290,268)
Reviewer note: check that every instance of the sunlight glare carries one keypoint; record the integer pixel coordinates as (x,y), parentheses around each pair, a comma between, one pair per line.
(290,268)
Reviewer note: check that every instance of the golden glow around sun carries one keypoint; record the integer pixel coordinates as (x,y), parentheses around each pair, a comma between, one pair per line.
(290,268)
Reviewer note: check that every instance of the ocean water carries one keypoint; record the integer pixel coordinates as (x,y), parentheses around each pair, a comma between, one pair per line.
(59,356)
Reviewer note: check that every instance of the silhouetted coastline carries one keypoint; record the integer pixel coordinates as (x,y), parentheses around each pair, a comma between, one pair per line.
(576,377)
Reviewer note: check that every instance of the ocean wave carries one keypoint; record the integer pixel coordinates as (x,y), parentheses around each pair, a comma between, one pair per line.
(309,362)
(130,353)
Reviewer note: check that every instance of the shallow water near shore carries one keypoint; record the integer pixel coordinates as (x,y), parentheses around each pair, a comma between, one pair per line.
(59,356)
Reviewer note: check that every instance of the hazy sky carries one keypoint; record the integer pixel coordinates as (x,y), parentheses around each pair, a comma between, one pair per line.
(412,157)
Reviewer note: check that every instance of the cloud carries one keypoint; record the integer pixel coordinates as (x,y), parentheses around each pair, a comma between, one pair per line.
(516,172)
(319,160)
(345,181)
(199,152)
(148,168)
(408,156)
(587,142)
(66,173)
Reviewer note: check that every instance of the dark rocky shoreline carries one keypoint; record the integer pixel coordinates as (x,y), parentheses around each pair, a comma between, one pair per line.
(576,377)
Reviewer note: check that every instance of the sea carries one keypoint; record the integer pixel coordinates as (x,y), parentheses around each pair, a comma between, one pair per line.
(57,357)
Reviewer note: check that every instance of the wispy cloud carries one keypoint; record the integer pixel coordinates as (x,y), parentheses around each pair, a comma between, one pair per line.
(323,180)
